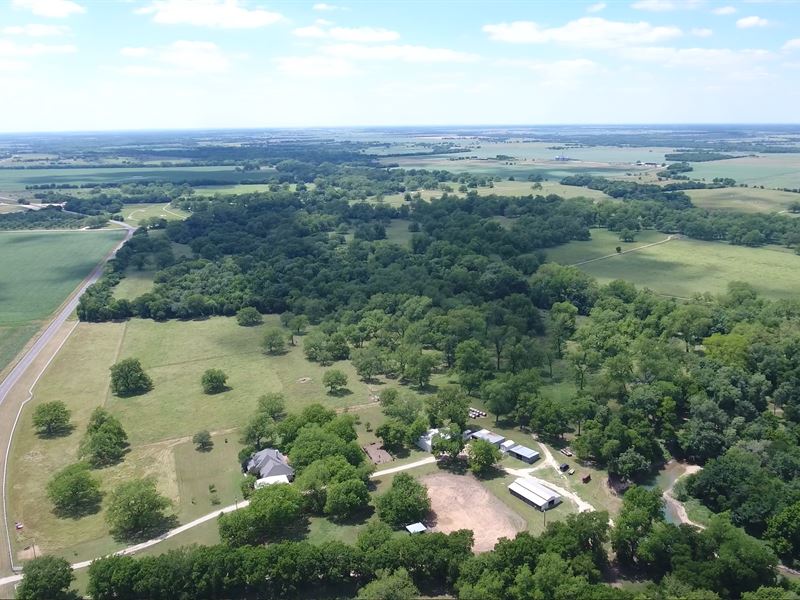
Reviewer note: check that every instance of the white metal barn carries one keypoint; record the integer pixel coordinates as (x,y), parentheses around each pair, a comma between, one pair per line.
(535,493)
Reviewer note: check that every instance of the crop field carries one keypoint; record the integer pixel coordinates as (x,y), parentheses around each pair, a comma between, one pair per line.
(683,267)
(17,179)
(37,273)
(771,170)
(750,200)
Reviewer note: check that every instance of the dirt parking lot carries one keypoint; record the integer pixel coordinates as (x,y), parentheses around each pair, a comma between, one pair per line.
(461,502)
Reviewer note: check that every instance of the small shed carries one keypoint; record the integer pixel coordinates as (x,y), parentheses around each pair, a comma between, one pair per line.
(507,445)
(524,454)
(416,528)
(493,438)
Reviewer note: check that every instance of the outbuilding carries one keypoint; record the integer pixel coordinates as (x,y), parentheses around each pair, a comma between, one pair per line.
(416,528)
(534,493)
(493,438)
(524,454)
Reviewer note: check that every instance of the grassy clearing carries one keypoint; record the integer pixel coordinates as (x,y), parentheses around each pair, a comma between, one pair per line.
(397,232)
(135,283)
(750,200)
(38,271)
(685,267)
(240,188)
(136,213)
(160,423)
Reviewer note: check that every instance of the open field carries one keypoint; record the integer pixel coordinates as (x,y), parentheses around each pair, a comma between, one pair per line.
(461,502)
(136,213)
(750,200)
(239,188)
(771,170)
(37,273)
(684,267)
(17,179)
(159,424)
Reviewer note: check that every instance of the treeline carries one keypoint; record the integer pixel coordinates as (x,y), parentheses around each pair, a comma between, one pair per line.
(696,156)
(630,190)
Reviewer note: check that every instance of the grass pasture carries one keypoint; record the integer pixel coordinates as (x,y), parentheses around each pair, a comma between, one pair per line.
(771,170)
(135,214)
(160,423)
(750,200)
(38,271)
(684,267)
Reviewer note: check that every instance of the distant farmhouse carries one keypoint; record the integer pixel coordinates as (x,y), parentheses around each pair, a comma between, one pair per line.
(269,466)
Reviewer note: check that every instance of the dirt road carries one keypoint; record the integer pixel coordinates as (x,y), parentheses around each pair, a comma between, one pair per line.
(664,241)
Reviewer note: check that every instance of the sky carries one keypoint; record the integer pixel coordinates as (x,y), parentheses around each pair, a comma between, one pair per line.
(91,65)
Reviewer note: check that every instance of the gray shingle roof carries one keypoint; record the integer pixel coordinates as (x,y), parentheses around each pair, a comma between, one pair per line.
(267,463)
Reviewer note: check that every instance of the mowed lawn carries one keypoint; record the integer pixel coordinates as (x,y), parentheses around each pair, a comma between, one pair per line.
(136,213)
(38,271)
(685,267)
(160,423)
(751,200)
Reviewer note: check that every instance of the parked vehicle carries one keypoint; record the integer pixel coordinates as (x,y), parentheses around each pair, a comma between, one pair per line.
(564,467)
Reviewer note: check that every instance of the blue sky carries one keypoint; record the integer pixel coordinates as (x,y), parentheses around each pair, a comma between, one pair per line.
(152,64)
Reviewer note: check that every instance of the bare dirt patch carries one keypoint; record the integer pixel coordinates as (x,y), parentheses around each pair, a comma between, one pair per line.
(461,502)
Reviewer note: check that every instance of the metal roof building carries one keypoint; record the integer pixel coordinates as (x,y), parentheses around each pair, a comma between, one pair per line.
(535,493)
(416,528)
(486,435)
(524,453)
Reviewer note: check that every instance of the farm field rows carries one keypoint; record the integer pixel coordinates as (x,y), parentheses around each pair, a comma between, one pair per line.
(684,267)
(38,271)
(771,170)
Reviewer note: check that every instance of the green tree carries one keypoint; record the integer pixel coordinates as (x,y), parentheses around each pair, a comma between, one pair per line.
(335,380)
(202,441)
(563,316)
(783,532)
(74,492)
(47,577)
(482,456)
(214,381)
(390,586)
(273,510)
(105,442)
(346,498)
(51,418)
(249,317)
(136,510)
(419,368)
(297,325)
(274,342)
(641,508)
(394,434)
(406,501)
(129,379)
(473,364)
(449,405)
(368,362)
(314,480)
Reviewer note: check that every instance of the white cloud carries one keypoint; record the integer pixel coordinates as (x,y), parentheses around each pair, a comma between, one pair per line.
(595,8)
(792,45)
(315,66)
(666,5)
(724,10)
(10,64)
(403,53)
(35,30)
(702,32)
(715,59)
(589,32)
(179,58)
(56,9)
(14,50)
(558,73)
(224,14)
(748,22)
(323,7)
(364,35)
(135,52)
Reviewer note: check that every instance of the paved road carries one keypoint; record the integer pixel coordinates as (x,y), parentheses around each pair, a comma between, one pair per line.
(13,378)
(205,518)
